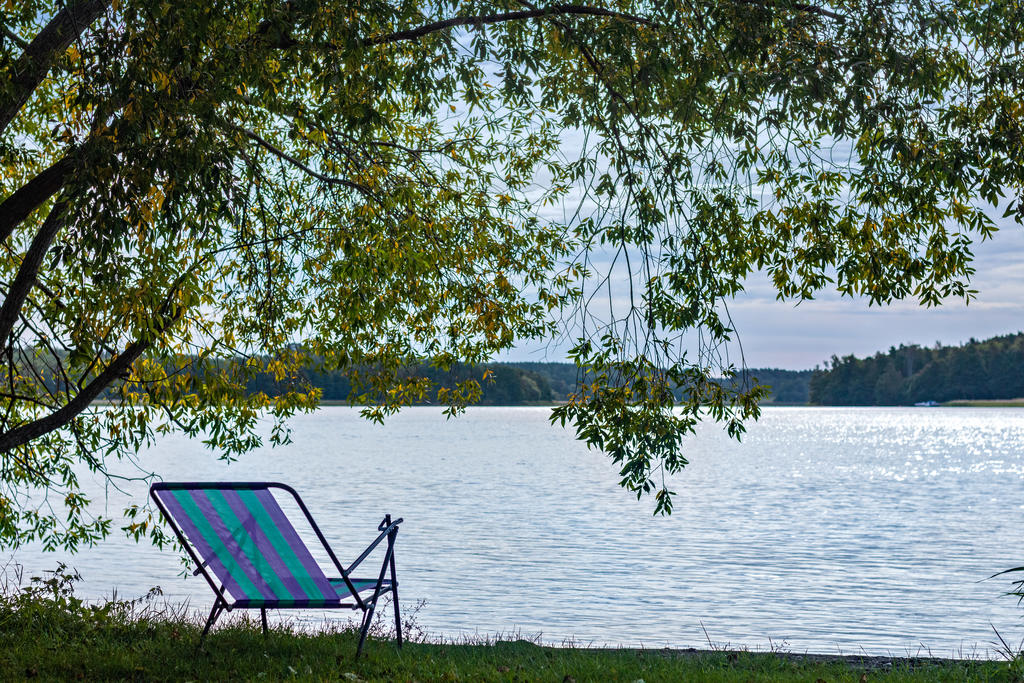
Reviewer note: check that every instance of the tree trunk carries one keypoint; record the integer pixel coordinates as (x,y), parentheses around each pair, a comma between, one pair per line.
(33,65)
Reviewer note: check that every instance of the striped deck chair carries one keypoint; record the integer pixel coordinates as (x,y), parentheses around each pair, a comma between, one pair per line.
(252,556)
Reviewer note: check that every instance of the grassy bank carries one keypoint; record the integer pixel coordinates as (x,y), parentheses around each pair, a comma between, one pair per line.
(166,650)
(46,633)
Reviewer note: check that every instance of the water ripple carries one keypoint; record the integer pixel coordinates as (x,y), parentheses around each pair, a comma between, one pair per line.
(857,530)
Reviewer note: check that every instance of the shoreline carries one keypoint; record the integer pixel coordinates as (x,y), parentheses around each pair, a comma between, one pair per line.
(862,661)
(957,403)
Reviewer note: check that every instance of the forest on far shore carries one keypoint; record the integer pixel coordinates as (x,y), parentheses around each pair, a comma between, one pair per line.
(527,383)
(992,369)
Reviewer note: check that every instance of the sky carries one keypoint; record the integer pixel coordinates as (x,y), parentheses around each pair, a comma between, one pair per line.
(776,334)
(802,336)
(783,335)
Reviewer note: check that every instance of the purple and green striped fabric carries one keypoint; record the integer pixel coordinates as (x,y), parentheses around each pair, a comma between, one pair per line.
(252,548)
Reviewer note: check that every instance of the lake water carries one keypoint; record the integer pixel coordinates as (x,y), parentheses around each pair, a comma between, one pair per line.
(825,530)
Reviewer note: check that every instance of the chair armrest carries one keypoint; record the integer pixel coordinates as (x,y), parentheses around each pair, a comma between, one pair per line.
(386,527)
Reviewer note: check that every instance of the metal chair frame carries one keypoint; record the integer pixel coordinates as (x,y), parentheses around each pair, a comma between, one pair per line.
(388,530)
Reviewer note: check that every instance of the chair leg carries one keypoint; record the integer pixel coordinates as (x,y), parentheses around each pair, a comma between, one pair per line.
(394,598)
(214,613)
(367,619)
(263,618)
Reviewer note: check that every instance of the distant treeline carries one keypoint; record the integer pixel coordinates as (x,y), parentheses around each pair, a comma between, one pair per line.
(786,386)
(990,369)
(978,370)
(527,383)
(507,384)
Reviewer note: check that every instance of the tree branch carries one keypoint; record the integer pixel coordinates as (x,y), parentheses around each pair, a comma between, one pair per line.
(67,412)
(26,277)
(118,367)
(553,10)
(281,154)
(35,62)
(32,194)
(15,38)
(800,6)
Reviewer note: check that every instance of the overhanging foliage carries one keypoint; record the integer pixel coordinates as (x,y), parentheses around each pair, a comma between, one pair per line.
(391,183)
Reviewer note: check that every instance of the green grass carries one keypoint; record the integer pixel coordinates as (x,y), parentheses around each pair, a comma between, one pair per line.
(167,651)
(48,634)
